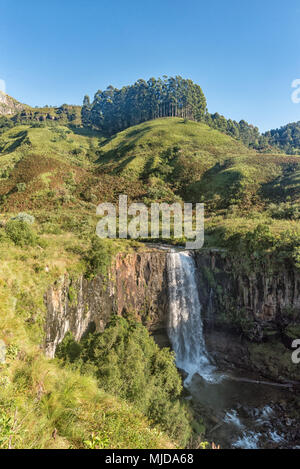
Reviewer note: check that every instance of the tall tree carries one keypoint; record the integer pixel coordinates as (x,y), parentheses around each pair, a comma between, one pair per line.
(113,110)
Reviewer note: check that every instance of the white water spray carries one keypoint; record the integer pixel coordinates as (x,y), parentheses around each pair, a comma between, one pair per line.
(185,324)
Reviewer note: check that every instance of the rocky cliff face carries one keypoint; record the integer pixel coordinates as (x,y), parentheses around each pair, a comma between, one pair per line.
(244,311)
(136,286)
(9,106)
(232,294)
(251,315)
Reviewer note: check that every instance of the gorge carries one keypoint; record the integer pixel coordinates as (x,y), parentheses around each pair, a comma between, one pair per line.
(190,301)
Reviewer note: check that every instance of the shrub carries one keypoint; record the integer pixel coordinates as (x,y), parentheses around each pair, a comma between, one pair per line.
(99,256)
(21,233)
(285,210)
(77,151)
(6,430)
(69,349)
(21,186)
(128,363)
(23,216)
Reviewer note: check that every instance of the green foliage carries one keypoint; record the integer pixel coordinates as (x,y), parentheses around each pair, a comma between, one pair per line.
(285,211)
(7,433)
(99,257)
(69,348)
(128,363)
(261,245)
(26,217)
(45,394)
(260,239)
(44,406)
(247,133)
(175,156)
(98,441)
(39,117)
(287,138)
(296,256)
(60,173)
(21,186)
(114,110)
(5,124)
(21,233)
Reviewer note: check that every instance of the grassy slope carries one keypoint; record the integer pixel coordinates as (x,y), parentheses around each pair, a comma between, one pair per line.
(191,159)
(64,178)
(57,166)
(67,172)
(138,149)
(37,395)
(237,185)
(197,161)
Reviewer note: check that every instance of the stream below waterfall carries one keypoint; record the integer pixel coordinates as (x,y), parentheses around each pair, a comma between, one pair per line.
(237,414)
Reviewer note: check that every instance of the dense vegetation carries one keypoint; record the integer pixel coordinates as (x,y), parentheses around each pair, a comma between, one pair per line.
(127,363)
(10,106)
(53,173)
(65,114)
(287,138)
(114,110)
(44,404)
(247,133)
(5,124)
(177,160)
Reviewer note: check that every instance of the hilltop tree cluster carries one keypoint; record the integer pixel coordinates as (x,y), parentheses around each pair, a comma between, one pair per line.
(115,109)
(247,133)
(287,138)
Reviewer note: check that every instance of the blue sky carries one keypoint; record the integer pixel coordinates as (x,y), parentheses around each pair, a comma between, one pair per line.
(244,54)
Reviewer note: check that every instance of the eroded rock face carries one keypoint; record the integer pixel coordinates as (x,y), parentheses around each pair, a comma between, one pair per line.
(136,286)
(250,315)
(233,298)
(8,105)
(231,293)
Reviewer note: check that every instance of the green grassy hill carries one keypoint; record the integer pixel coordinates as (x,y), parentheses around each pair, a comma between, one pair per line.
(137,151)
(41,165)
(162,160)
(59,173)
(192,161)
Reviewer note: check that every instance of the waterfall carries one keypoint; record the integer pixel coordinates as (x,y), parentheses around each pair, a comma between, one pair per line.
(185,326)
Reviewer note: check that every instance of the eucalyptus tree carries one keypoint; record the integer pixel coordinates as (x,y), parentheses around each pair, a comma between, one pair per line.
(113,110)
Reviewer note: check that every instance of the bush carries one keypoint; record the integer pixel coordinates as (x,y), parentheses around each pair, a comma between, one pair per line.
(77,151)
(285,210)
(23,216)
(21,186)
(69,349)
(99,256)
(5,124)
(21,233)
(128,363)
